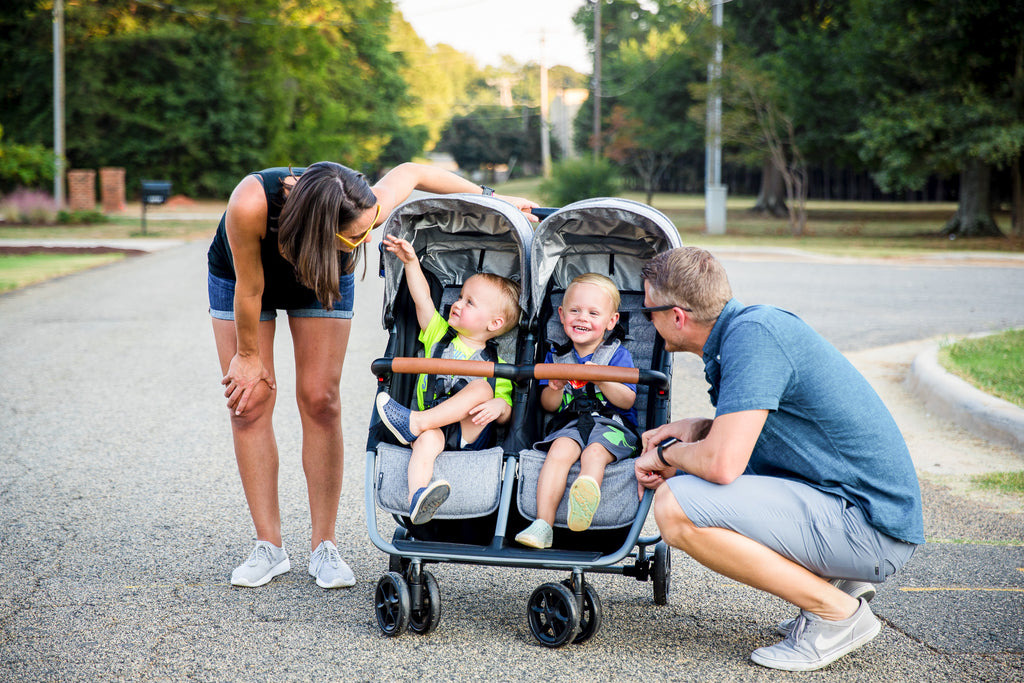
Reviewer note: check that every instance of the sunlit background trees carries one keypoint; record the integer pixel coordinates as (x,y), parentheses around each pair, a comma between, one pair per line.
(863,99)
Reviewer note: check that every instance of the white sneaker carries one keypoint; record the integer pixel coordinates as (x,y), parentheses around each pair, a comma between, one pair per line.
(265,562)
(855,589)
(329,569)
(814,642)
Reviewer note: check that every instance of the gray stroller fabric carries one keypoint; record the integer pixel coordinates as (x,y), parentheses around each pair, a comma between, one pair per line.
(619,499)
(475,478)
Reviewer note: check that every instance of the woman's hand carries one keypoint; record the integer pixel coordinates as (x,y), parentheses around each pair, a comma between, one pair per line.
(246,374)
(522,204)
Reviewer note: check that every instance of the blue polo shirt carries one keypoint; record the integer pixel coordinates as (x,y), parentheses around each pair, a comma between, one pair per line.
(826,425)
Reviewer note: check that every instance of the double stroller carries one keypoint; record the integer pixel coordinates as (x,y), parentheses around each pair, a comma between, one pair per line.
(493,491)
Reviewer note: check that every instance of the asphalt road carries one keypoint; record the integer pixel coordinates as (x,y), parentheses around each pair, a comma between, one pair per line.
(121,512)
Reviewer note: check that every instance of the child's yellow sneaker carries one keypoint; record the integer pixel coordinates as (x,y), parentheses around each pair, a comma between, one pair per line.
(584,497)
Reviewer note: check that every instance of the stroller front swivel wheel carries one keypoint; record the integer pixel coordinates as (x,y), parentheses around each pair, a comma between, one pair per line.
(553,615)
(590,618)
(392,604)
(425,619)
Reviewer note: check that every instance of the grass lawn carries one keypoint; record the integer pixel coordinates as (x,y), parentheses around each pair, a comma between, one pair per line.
(21,270)
(993,363)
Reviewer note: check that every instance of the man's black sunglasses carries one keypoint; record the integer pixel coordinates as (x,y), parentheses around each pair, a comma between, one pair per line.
(647,310)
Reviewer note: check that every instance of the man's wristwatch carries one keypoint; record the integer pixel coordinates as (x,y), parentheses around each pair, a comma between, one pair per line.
(487,191)
(661,450)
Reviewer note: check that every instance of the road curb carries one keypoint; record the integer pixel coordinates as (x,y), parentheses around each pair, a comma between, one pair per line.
(954,399)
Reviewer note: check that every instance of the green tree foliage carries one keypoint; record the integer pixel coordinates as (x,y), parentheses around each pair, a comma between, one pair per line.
(942,92)
(163,104)
(647,65)
(490,136)
(28,166)
(573,180)
(203,91)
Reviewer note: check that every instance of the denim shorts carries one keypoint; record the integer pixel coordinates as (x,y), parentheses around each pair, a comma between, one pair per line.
(821,532)
(222,301)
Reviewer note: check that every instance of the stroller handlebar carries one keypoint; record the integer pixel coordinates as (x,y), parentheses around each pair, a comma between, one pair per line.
(480,368)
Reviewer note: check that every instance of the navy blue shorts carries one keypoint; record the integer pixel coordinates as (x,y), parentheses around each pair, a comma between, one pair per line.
(222,301)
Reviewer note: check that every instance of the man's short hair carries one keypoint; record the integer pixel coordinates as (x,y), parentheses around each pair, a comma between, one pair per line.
(690,277)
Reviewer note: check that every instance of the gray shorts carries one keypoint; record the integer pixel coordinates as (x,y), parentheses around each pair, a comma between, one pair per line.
(823,533)
(616,439)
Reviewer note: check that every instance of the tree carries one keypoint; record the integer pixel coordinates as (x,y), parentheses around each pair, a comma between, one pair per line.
(647,64)
(942,88)
(216,88)
(491,136)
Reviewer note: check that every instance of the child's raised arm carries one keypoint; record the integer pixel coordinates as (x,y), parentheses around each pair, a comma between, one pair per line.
(419,288)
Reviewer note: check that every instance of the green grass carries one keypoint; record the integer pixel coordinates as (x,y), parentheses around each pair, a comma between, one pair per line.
(21,270)
(993,363)
(1004,482)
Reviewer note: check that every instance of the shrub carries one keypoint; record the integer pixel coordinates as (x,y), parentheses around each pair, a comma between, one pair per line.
(576,179)
(32,207)
(25,165)
(80,217)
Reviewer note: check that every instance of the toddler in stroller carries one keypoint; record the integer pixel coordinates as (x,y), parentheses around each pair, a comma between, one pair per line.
(454,411)
(596,423)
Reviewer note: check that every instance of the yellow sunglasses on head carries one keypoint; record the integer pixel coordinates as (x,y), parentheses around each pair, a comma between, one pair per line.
(352,244)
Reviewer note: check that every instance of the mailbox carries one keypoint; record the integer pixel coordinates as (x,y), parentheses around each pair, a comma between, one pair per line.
(155,191)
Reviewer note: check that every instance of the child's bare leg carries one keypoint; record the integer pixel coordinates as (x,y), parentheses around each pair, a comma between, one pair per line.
(425,450)
(453,409)
(594,459)
(553,473)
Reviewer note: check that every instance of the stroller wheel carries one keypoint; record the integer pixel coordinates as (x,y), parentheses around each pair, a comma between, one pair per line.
(392,604)
(553,615)
(590,618)
(662,572)
(424,620)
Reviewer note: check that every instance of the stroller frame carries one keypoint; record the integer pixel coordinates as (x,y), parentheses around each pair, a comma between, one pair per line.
(407,596)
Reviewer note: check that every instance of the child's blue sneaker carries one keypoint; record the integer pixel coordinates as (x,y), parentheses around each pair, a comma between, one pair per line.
(427,499)
(395,417)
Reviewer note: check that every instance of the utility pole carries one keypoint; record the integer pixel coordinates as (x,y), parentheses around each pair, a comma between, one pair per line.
(545,127)
(596,142)
(714,191)
(58,102)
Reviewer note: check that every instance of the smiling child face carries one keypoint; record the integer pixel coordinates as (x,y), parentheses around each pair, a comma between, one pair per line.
(587,313)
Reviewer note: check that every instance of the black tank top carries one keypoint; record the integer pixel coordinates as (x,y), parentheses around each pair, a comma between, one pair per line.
(281,288)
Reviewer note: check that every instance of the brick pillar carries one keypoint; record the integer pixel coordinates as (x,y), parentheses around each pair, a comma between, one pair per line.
(82,190)
(112,189)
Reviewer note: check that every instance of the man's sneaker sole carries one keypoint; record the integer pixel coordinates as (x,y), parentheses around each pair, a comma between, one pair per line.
(276,570)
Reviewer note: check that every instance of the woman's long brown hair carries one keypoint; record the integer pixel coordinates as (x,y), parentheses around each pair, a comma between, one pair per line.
(325,199)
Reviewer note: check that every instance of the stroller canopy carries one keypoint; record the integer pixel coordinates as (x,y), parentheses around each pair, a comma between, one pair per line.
(604,235)
(456,236)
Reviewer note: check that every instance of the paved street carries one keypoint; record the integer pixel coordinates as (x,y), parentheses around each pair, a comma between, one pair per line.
(122,515)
